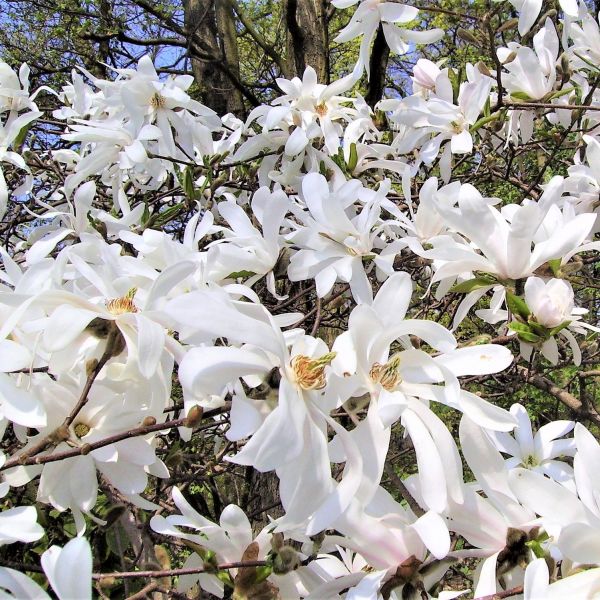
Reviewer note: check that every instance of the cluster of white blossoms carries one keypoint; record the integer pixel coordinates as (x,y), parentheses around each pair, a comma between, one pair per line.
(103,306)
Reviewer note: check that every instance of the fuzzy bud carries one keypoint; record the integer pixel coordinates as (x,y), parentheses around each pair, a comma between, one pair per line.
(149,421)
(286,560)
(194,417)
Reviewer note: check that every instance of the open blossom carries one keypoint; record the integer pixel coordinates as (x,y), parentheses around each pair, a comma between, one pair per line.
(366,20)
(336,239)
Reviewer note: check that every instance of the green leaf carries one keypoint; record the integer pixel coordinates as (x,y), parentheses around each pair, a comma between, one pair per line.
(521,96)
(353,159)
(538,329)
(472,284)
(558,328)
(188,183)
(517,306)
(554,265)
(558,94)
(524,332)
(238,274)
(536,548)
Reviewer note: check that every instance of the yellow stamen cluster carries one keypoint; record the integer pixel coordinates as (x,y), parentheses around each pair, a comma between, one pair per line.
(119,306)
(321,109)
(310,372)
(157,101)
(386,375)
(81,430)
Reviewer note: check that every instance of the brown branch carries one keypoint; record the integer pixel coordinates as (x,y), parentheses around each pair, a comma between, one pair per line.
(546,385)
(87,448)
(177,572)
(505,594)
(404,492)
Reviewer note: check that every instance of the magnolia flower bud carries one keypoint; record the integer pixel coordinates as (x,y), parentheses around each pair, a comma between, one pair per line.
(551,303)
(286,560)
(194,416)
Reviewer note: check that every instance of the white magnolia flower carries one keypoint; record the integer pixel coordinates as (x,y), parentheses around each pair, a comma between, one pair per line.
(337,239)
(366,20)
(538,452)
(69,569)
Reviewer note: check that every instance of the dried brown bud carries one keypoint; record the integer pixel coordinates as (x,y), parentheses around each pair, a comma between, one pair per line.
(194,416)
(149,421)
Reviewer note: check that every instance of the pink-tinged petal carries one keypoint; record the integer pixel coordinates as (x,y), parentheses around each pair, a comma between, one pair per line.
(58,564)
(581,543)
(433,531)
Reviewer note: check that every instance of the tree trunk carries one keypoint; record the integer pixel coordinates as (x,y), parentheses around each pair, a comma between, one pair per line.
(308,38)
(212,29)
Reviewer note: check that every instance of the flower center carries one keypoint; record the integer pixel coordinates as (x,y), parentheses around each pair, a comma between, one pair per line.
(81,430)
(157,101)
(119,306)
(310,372)
(321,109)
(530,461)
(386,375)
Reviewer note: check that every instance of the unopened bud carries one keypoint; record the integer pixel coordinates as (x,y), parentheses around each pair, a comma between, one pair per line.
(107,582)
(194,416)
(149,421)
(90,366)
(277,541)
(482,68)
(510,58)
(286,560)
(85,449)
(99,327)
(467,36)
(60,434)
(510,24)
